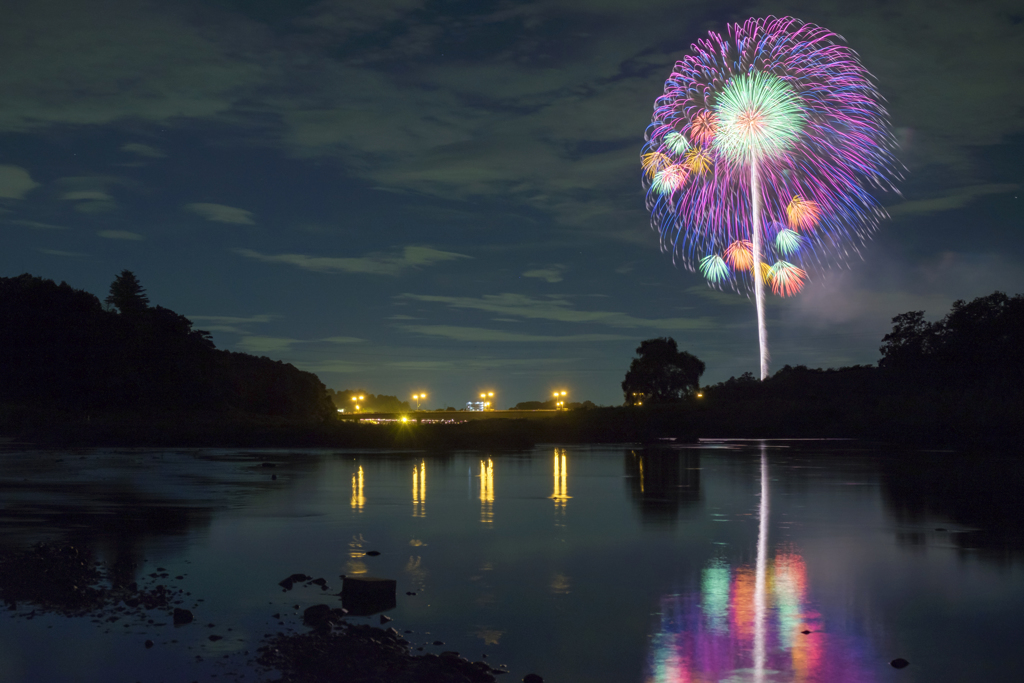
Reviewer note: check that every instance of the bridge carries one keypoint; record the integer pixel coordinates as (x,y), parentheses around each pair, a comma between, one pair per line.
(458,415)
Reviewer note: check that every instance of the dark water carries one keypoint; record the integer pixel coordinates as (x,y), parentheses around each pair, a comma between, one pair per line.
(598,564)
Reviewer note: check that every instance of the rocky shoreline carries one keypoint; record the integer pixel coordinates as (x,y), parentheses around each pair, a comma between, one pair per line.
(66,579)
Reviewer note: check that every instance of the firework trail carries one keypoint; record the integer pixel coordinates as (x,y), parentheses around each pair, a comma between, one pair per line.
(762,156)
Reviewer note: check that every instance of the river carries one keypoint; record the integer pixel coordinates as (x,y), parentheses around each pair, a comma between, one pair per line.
(605,564)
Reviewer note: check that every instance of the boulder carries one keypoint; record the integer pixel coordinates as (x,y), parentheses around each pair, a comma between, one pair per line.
(317,616)
(366,595)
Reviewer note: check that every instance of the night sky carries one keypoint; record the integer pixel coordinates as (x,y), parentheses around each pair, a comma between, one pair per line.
(445,196)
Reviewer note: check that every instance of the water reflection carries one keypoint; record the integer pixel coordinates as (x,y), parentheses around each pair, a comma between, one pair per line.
(663,481)
(358,499)
(972,503)
(561,487)
(356,553)
(417,574)
(419,490)
(759,586)
(751,623)
(487,491)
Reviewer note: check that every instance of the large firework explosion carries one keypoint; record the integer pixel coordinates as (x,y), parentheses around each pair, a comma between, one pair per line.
(762,156)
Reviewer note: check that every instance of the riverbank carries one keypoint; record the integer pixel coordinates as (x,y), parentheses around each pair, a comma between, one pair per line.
(433,431)
(67,580)
(931,421)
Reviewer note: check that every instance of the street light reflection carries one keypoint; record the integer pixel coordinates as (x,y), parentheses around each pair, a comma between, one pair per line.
(419,490)
(561,494)
(358,499)
(487,491)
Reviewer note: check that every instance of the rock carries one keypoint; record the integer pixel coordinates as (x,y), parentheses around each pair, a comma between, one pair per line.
(214,638)
(438,642)
(317,616)
(372,553)
(183,616)
(409,593)
(899,663)
(293,579)
(366,595)
(941,529)
(319,582)
(532,678)
(273,477)
(268,464)
(384,619)
(148,644)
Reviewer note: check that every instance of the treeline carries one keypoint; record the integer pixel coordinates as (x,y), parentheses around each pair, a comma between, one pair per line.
(348,399)
(553,405)
(956,381)
(62,350)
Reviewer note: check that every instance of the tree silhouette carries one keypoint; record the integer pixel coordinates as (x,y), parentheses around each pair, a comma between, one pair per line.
(661,373)
(60,349)
(127,294)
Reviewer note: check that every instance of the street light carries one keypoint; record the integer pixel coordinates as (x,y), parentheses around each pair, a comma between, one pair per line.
(485,395)
(560,404)
(419,397)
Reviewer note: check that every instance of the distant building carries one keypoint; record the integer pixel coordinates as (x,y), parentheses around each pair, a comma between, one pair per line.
(477,406)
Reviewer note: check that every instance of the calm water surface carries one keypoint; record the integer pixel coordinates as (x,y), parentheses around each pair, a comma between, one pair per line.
(597,564)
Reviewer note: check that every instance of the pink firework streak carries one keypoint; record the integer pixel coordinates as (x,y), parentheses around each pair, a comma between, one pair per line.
(792,135)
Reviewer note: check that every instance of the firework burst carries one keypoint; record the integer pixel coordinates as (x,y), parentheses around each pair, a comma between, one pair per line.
(771,141)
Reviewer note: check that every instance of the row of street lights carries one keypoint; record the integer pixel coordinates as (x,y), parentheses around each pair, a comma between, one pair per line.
(485,398)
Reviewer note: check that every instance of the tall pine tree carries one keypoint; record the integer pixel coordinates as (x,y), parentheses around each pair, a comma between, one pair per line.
(127,295)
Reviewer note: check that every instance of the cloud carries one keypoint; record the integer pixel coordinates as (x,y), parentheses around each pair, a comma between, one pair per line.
(120,235)
(954,199)
(15,182)
(220,213)
(228,323)
(479,334)
(143,150)
(558,308)
(372,264)
(550,274)
(108,61)
(718,296)
(342,340)
(342,366)
(476,364)
(57,252)
(91,193)
(233,320)
(260,345)
(36,225)
(870,299)
(81,195)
